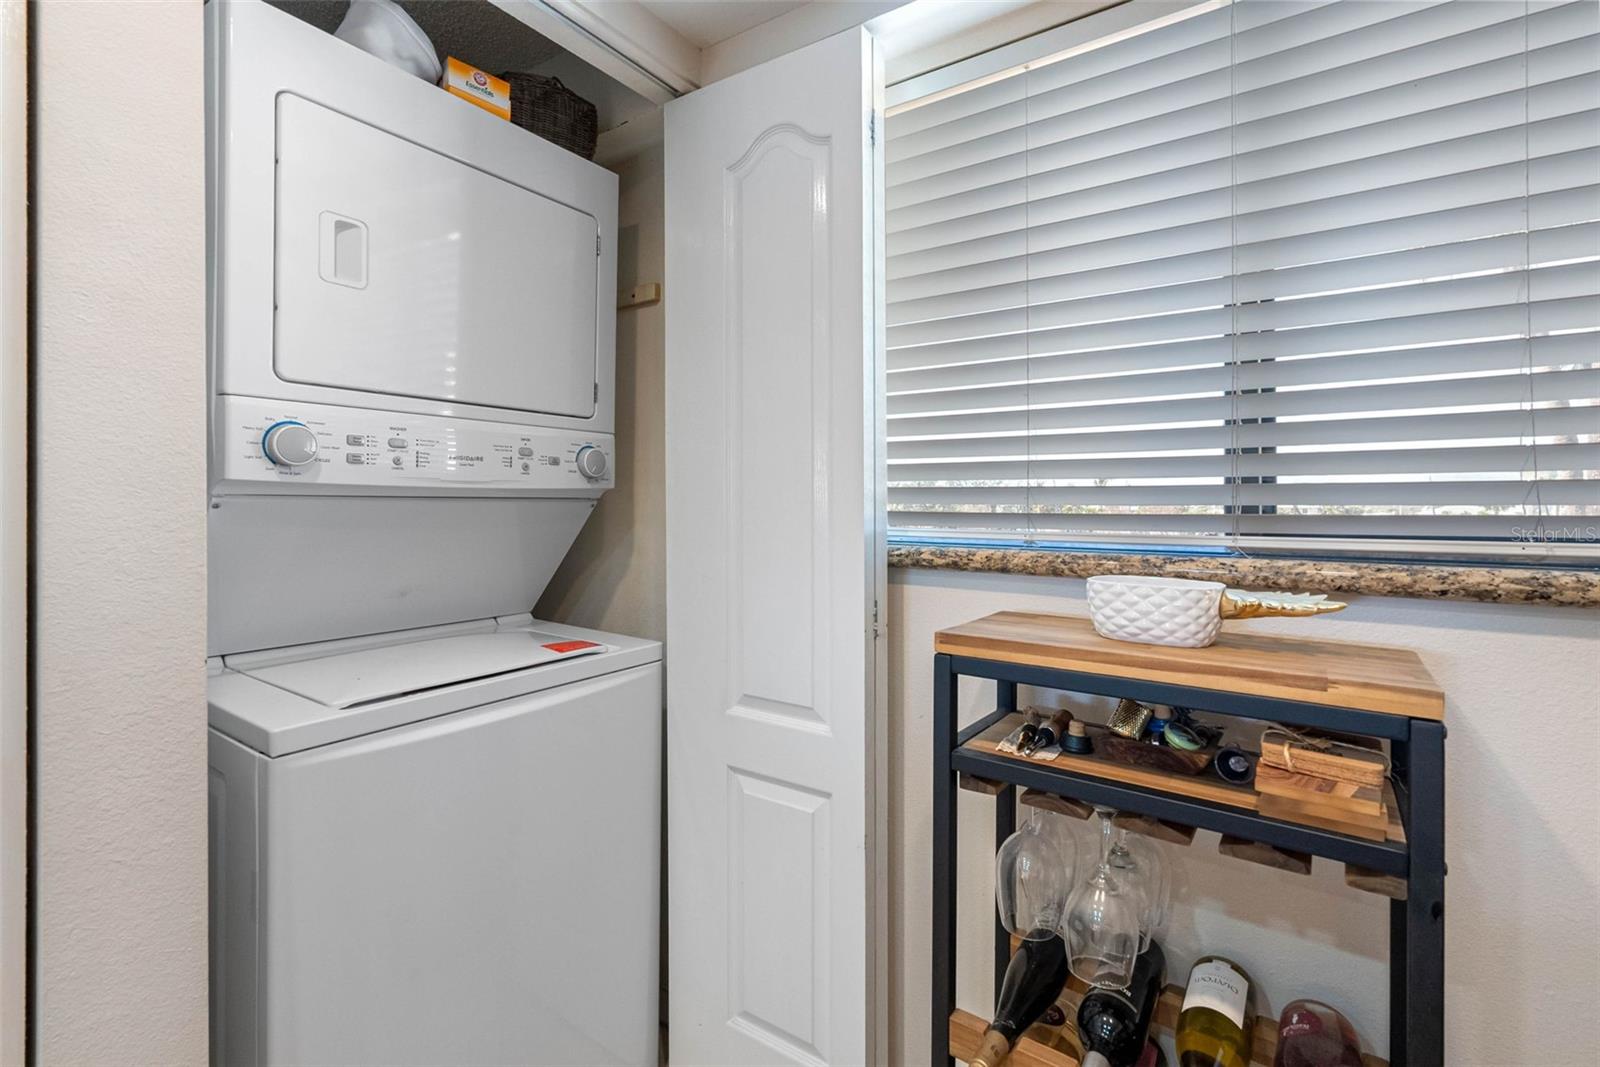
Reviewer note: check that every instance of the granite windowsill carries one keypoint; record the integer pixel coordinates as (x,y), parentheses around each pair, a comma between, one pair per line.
(1494,583)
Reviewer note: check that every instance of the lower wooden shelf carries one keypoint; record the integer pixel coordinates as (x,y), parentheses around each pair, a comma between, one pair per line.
(966,1033)
(1048,1046)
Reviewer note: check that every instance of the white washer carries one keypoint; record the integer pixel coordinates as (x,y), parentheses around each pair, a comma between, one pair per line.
(437,848)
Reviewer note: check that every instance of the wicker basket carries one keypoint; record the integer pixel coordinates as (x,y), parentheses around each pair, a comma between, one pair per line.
(541,104)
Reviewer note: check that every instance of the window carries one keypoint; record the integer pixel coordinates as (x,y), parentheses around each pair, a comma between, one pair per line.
(1260,274)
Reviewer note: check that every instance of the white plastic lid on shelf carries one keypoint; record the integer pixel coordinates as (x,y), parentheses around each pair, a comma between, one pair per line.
(383,28)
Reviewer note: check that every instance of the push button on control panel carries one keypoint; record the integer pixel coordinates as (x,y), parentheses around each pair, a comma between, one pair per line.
(354,457)
(354,440)
(524,451)
(397,442)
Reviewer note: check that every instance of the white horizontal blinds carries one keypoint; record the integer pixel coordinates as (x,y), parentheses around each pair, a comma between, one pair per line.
(1417,238)
(1275,268)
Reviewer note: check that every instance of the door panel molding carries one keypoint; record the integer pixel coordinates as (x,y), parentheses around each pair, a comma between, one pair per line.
(778,867)
(777,344)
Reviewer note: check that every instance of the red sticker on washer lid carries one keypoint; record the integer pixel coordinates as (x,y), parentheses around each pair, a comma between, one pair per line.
(570,646)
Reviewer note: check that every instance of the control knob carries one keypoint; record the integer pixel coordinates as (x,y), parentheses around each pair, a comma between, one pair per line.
(591,463)
(289,444)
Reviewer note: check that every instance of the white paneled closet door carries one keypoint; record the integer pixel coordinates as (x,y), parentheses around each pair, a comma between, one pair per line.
(774,563)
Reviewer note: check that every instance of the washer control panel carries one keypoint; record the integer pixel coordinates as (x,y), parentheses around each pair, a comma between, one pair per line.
(297,446)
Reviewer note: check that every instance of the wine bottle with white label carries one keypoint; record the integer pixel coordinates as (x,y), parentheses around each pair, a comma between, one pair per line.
(1214,1027)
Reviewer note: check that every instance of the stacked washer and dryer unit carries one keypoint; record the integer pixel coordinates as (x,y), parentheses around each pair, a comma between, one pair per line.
(434,819)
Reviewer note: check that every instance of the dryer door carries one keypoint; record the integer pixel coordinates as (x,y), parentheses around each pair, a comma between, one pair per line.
(403,271)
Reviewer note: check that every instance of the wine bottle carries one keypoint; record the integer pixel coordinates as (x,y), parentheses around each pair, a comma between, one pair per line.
(1153,1056)
(1033,980)
(1114,1024)
(1214,1027)
(1312,1034)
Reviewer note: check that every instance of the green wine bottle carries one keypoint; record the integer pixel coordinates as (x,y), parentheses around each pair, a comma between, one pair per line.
(1214,1027)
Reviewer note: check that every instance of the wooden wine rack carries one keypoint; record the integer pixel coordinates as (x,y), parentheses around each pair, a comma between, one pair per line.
(1375,692)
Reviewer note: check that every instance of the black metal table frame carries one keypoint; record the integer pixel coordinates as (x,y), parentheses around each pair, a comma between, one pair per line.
(1416,924)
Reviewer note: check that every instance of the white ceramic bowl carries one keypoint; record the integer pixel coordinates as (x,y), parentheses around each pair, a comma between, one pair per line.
(1156,611)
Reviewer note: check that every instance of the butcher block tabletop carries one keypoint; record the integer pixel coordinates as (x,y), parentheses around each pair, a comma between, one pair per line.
(1365,677)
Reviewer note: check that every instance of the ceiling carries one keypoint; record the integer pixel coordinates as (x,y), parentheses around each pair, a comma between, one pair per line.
(705,22)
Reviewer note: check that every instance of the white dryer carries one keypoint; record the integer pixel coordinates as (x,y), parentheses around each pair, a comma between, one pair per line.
(435,822)
(412,343)
(437,849)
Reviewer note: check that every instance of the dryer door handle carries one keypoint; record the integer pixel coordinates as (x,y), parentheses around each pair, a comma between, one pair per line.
(342,250)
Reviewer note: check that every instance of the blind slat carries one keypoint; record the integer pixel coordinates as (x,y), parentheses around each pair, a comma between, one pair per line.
(1539,317)
(1478,492)
(964,386)
(1070,526)
(1554,423)
(1483,460)
(1549,387)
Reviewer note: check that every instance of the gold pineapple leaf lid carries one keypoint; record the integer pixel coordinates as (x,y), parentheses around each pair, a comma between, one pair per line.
(1246,604)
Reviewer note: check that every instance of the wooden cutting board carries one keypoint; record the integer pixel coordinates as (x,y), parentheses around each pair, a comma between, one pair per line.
(1348,765)
(1328,793)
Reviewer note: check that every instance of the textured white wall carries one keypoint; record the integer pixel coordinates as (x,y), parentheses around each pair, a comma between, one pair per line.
(1523,778)
(119,534)
(13,531)
(614,578)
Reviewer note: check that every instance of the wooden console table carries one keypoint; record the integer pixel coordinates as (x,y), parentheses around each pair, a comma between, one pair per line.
(1377,692)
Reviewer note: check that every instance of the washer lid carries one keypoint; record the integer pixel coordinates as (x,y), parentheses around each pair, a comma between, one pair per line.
(288,700)
(371,675)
